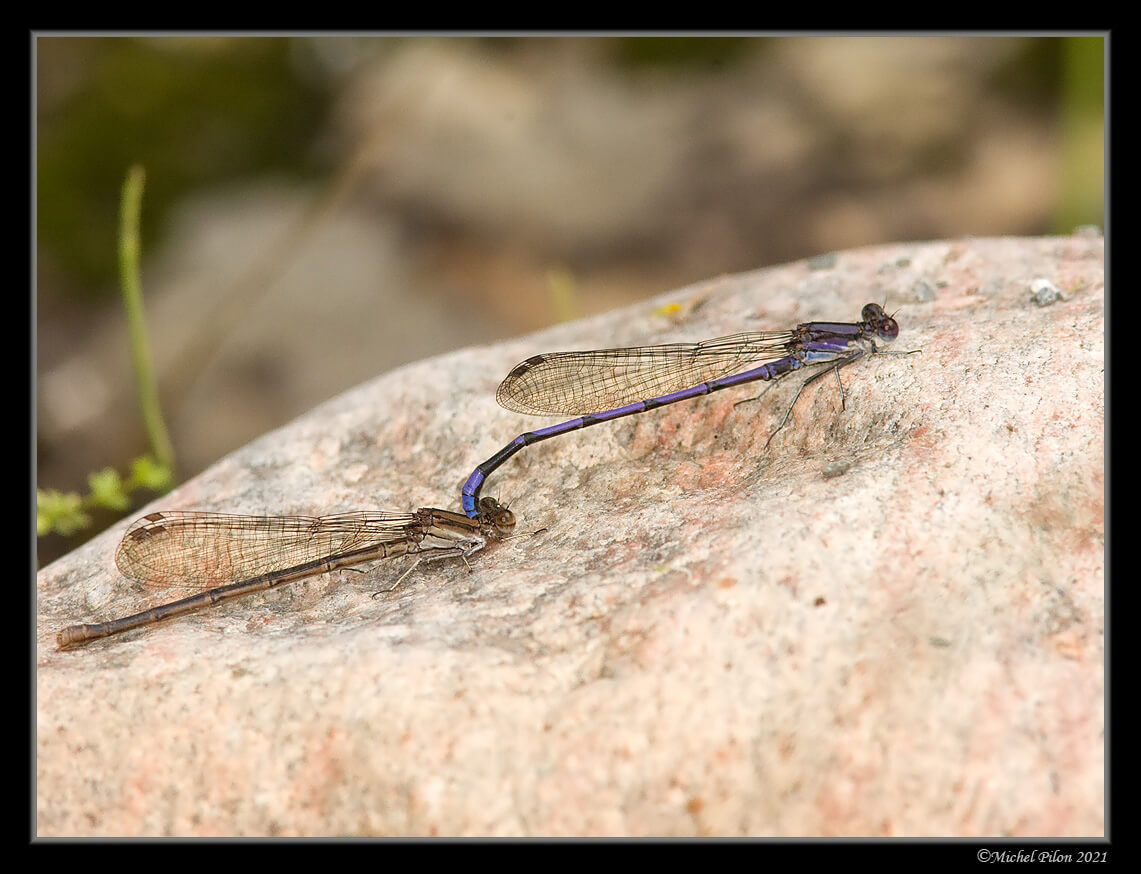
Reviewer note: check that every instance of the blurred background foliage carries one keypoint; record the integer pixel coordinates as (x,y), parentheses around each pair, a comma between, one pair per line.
(201,112)
(322,209)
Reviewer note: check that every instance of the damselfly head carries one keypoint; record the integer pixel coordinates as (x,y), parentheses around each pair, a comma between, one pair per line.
(877,320)
(497,514)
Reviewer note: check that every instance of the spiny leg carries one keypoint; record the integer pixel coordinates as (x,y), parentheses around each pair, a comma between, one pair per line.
(834,368)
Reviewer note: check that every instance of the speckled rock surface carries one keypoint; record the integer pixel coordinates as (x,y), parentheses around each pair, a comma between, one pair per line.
(888,623)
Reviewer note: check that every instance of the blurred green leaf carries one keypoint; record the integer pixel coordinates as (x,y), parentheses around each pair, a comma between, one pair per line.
(149,474)
(59,512)
(107,489)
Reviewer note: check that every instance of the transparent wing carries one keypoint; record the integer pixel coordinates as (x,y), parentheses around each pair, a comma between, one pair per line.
(196,550)
(578,383)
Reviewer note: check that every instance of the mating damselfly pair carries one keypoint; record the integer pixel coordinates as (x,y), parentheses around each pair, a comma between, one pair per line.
(224,556)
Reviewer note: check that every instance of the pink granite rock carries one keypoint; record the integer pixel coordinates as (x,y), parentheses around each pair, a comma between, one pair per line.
(888,623)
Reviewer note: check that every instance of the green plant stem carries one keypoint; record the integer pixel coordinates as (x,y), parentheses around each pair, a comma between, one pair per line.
(129,249)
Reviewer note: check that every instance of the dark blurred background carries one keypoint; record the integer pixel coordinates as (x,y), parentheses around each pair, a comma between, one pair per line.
(319,210)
